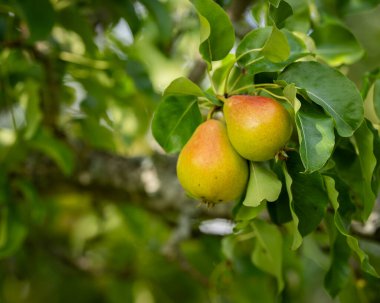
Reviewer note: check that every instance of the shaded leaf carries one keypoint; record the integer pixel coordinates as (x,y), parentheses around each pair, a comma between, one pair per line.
(162,17)
(299,21)
(336,44)
(40,18)
(263,185)
(376,97)
(330,89)
(131,16)
(71,19)
(55,149)
(339,272)
(316,137)
(279,210)
(12,232)
(217,32)
(297,238)
(376,152)
(309,196)
(281,13)
(174,122)
(139,74)
(267,254)
(335,199)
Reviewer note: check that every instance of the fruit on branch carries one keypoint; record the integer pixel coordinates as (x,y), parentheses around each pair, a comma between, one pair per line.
(209,168)
(258,127)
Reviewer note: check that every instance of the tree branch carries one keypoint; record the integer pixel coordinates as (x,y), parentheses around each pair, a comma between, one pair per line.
(148,182)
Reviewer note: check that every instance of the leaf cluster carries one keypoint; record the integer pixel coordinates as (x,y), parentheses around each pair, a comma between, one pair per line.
(331,173)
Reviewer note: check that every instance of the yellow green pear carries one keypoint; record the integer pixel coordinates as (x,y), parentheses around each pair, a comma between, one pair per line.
(209,168)
(258,127)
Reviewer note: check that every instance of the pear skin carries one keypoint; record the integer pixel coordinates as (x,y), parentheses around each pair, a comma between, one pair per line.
(209,168)
(258,127)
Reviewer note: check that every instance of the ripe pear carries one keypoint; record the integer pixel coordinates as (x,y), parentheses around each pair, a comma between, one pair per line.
(258,127)
(209,168)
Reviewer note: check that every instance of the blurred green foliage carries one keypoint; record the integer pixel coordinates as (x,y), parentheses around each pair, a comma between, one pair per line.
(93,72)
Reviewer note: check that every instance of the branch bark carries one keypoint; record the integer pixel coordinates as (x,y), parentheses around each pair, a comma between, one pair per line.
(149,182)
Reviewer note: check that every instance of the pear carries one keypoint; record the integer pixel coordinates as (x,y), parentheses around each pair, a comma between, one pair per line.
(209,168)
(258,127)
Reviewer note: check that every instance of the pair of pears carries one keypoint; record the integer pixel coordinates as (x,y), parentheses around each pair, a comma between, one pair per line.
(213,166)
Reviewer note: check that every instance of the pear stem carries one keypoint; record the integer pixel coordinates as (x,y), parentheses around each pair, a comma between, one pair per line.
(222,98)
(281,155)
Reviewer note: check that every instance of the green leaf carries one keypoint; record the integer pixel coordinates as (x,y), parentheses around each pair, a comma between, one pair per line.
(290,93)
(33,115)
(220,72)
(368,81)
(97,135)
(217,32)
(308,193)
(39,17)
(139,73)
(131,16)
(250,55)
(370,103)
(55,149)
(71,19)
(330,89)
(316,137)
(267,254)
(336,44)
(297,238)
(175,120)
(205,29)
(365,145)
(275,3)
(276,48)
(263,185)
(281,13)
(339,272)
(228,246)
(212,98)
(376,97)
(183,86)
(336,200)
(246,213)
(12,232)
(279,210)
(376,152)
(300,20)
(162,17)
